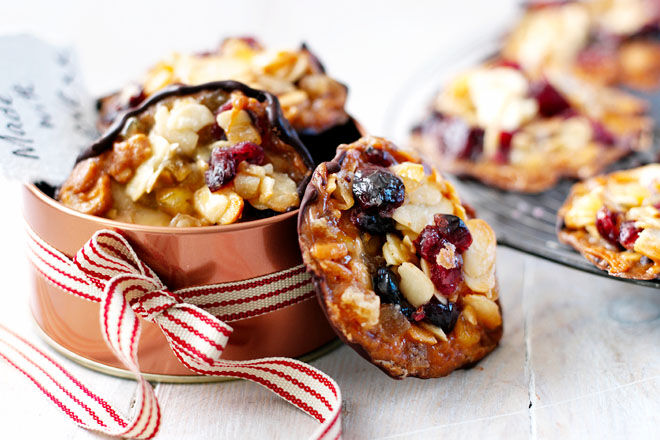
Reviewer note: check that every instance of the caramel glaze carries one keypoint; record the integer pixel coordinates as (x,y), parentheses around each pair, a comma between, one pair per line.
(395,353)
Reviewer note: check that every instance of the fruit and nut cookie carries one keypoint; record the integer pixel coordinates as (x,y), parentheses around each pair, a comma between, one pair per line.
(404,276)
(193,156)
(311,101)
(604,41)
(614,221)
(498,125)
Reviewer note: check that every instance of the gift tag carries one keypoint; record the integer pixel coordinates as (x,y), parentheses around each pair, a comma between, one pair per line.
(46,116)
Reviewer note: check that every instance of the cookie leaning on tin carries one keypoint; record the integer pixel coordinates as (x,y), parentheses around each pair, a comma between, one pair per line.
(404,276)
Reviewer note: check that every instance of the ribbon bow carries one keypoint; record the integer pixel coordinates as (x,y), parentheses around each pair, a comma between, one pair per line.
(107,270)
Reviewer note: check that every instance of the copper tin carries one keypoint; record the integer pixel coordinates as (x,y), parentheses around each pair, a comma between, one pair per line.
(182,257)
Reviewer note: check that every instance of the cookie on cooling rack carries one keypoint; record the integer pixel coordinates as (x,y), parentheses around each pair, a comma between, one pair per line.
(404,276)
(498,125)
(310,99)
(604,41)
(216,153)
(614,221)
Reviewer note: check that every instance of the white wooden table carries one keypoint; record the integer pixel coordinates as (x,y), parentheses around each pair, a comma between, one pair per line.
(580,356)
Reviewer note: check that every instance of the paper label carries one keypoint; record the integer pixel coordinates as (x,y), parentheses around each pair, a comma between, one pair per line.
(46,116)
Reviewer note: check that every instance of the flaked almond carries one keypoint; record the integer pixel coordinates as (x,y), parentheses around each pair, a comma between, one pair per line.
(343,194)
(648,243)
(415,285)
(487,311)
(238,126)
(583,210)
(394,251)
(329,251)
(409,170)
(422,335)
(437,331)
(479,258)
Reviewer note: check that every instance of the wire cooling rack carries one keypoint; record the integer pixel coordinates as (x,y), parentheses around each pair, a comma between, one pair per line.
(526,222)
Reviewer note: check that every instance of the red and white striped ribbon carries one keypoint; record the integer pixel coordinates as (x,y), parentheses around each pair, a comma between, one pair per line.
(108,271)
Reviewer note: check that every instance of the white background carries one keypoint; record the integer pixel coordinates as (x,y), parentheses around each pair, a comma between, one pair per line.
(373,46)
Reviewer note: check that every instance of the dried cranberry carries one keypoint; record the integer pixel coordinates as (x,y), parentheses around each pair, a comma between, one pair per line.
(379,157)
(508,63)
(459,139)
(372,223)
(226,106)
(442,315)
(429,243)
(386,285)
(249,152)
(137,98)
(223,163)
(602,134)
(378,189)
(447,230)
(446,280)
(550,101)
(222,169)
(418,314)
(504,148)
(628,234)
(217,132)
(454,230)
(607,223)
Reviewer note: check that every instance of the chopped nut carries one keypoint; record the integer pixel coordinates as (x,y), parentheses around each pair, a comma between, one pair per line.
(219,207)
(247,186)
(184,140)
(238,126)
(188,115)
(185,221)
(175,200)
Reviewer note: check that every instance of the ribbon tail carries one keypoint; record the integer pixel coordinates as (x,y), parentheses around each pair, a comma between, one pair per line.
(68,394)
